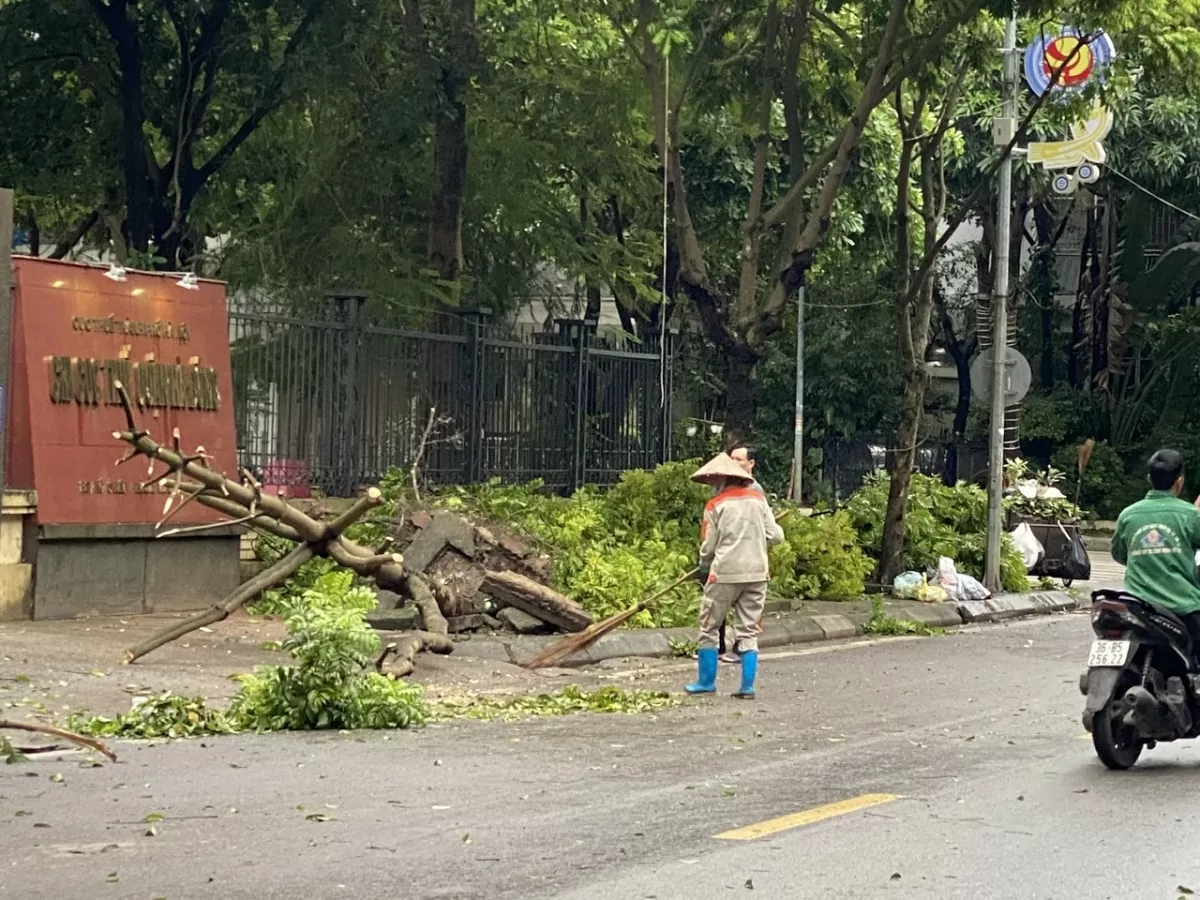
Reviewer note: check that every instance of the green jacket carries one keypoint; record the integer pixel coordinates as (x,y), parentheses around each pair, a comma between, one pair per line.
(1157,539)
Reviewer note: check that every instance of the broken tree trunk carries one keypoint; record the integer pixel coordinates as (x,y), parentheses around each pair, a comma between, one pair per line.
(529,596)
(246,504)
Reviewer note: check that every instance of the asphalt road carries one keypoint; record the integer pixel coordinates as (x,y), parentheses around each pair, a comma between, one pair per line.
(966,749)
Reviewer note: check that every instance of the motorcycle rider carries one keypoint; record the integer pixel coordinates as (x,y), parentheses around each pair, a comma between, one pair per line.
(1157,539)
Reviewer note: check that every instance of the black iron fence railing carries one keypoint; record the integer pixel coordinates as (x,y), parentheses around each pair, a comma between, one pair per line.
(330,399)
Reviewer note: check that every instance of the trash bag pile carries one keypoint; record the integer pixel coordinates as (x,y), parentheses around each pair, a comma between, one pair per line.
(938,586)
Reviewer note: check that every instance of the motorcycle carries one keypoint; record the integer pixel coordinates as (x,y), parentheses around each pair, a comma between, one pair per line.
(1142,683)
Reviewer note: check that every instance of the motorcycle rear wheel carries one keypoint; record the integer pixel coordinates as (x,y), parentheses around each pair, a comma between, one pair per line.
(1117,745)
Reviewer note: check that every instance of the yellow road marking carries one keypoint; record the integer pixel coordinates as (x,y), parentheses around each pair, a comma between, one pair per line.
(1083,737)
(807,817)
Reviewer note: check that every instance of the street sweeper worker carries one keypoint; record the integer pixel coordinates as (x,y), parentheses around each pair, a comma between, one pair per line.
(737,529)
(745,456)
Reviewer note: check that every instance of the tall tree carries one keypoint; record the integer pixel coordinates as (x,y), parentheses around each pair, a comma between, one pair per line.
(871,48)
(172,90)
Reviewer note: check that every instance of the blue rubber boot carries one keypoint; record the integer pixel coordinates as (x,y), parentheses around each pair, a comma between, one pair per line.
(749,672)
(706,683)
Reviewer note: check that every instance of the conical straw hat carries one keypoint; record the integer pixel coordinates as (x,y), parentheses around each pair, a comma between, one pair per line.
(720,466)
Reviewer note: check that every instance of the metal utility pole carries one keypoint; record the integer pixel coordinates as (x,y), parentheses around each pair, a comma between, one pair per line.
(1004,132)
(6,240)
(798,439)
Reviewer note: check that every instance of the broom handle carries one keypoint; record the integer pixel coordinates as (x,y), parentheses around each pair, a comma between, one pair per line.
(653,598)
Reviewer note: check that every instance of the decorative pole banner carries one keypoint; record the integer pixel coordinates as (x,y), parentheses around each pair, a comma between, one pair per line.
(1082,58)
(1088,56)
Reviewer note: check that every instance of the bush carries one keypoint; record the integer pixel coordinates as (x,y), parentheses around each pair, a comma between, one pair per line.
(820,559)
(614,547)
(941,521)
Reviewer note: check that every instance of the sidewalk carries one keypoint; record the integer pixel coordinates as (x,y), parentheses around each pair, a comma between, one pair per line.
(785,623)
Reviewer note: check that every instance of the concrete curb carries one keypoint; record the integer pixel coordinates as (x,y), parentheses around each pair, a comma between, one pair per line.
(779,630)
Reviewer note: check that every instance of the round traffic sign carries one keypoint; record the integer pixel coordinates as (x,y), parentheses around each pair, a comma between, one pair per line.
(1018,376)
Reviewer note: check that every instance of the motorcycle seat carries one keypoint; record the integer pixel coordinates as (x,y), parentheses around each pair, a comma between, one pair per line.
(1182,635)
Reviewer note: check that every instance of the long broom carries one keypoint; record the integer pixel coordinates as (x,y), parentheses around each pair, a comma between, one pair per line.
(577,642)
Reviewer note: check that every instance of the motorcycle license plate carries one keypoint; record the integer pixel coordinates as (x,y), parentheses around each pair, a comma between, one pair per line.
(1108,654)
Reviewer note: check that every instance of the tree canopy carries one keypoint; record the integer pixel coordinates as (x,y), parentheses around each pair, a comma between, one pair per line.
(699,161)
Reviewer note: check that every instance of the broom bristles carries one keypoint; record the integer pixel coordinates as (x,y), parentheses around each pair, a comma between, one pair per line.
(576,642)
(1085,454)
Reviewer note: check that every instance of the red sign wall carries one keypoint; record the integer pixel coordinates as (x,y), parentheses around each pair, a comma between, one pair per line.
(75,333)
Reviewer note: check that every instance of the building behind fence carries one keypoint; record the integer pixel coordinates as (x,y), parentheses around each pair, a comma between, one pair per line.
(331,398)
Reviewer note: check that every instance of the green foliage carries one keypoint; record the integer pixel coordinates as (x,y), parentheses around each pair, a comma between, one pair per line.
(681,649)
(10,753)
(882,624)
(1063,415)
(1059,509)
(165,715)
(613,548)
(941,521)
(327,686)
(319,574)
(846,321)
(698,439)
(820,559)
(569,700)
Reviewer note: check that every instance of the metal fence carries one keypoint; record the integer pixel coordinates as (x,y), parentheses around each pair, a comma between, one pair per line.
(845,462)
(330,398)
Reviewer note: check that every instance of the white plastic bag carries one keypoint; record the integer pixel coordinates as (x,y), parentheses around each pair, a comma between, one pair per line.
(969,588)
(1028,545)
(947,575)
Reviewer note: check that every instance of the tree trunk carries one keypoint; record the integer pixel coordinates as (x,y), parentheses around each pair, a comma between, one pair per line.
(1043,287)
(962,409)
(138,227)
(450,144)
(740,403)
(450,165)
(1075,375)
(904,455)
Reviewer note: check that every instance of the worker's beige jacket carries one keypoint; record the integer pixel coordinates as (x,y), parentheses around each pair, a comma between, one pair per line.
(737,529)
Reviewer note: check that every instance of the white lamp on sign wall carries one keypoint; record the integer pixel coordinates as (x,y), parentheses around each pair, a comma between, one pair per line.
(115,272)
(189,282)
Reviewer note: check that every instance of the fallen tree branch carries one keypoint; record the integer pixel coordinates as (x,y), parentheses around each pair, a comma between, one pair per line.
(387,651)
(90,743)
(267,578)
(415,642)
(246,504)
(431,614)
